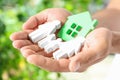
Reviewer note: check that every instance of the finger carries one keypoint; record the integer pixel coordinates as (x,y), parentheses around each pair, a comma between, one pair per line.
(21,43)
(19,35)
(82,60)
(33,47)
(34,21)
(29,50)
(49,63)
(36,49)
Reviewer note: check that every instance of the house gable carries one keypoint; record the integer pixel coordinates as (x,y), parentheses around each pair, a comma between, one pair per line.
(77,25)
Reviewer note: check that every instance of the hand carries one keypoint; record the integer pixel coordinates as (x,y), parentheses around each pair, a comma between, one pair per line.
(30,50)
(95,49)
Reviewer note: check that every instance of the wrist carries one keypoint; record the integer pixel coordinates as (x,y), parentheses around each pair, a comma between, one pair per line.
(114,4)
(115,42)
(108,18)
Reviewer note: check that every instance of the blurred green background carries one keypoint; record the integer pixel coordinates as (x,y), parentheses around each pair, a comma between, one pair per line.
(13,13)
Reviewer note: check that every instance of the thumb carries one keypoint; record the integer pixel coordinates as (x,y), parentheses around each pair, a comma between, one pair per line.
(34,21)
(82,60)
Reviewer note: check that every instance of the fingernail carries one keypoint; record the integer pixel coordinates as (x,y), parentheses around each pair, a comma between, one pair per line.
(76,68)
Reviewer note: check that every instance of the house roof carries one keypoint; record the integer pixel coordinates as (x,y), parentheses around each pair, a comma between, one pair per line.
(83,20)
(84,17)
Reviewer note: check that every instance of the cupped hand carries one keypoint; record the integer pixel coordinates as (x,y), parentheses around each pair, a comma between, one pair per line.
(95,49)
(30,50)
(97,46)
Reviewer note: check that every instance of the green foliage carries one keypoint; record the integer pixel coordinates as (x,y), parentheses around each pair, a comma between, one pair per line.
(77,5)
(2,28)
(13,13)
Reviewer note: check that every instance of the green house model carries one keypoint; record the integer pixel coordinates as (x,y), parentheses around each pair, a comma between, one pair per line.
(77,25)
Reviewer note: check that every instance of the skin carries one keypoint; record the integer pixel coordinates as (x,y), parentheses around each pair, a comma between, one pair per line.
(105,39)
